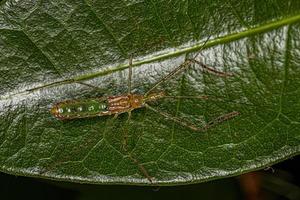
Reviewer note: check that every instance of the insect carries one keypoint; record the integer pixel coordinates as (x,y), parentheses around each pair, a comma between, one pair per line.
(126,103)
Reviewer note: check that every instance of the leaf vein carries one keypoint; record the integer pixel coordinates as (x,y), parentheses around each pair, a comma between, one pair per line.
(43,53)
(107,29)
(161,22)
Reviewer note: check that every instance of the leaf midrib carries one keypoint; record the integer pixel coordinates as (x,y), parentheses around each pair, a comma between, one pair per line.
(199,46)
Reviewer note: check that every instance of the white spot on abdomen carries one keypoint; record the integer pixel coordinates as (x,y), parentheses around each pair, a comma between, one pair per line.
(91,108)
(102,106)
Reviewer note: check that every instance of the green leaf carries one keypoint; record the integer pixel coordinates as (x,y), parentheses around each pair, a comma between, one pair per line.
(48,46)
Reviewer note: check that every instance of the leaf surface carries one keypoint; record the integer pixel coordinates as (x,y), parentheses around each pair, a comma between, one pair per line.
(47,47)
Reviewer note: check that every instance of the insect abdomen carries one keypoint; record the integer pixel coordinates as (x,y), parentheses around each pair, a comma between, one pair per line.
(73,109)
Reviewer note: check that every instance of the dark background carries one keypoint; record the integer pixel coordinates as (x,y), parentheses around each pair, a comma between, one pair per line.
(281,181)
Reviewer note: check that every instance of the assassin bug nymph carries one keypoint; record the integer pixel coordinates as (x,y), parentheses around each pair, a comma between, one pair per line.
(126,103)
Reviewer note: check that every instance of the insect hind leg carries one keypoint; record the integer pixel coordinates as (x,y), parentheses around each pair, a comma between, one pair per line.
(175,119)
(191,126)
(141,168)
(129,154)
(130,74)
(125,135)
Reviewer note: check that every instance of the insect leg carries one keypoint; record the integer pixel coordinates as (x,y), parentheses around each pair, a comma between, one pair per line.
(133,159)
(125,136)
(210,69)
(182,67)
(175,119)
(141,168)
(115,116)
(129,75)
(170,75)
(177,70)
(204,97)
(92,86)
(221,119)
(210,124)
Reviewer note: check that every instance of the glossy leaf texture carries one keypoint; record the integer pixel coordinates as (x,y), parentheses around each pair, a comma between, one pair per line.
(45,45)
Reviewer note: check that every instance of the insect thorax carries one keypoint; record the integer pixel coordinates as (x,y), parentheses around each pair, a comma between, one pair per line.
(123,103)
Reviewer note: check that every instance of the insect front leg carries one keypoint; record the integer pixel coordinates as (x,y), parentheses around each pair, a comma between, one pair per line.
(177,70)
(91,86)
(210,69)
